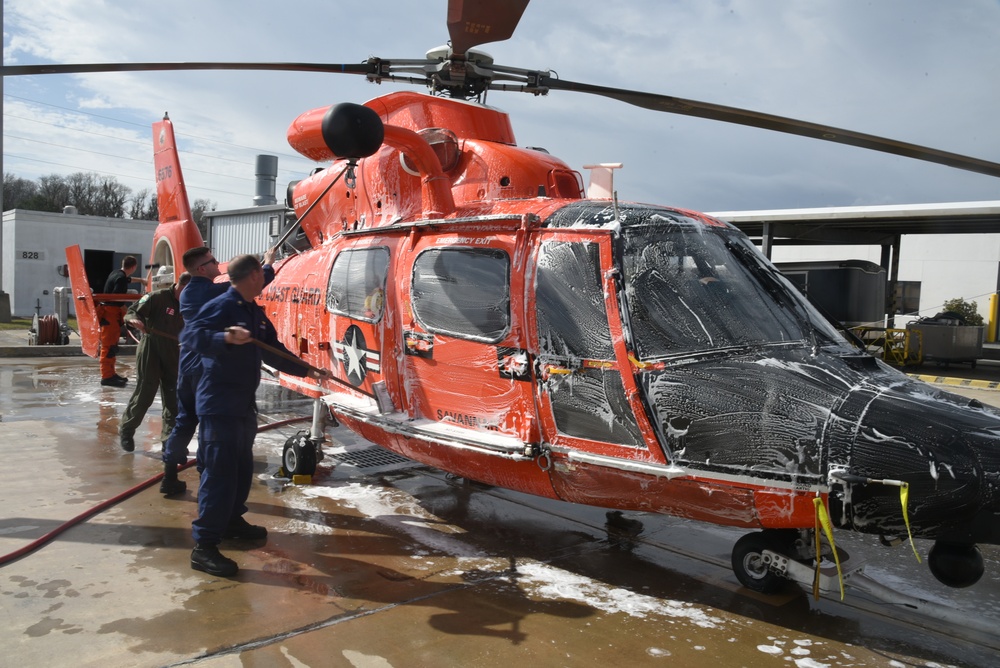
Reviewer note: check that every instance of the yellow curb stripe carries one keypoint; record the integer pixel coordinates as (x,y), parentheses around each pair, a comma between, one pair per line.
(957,382)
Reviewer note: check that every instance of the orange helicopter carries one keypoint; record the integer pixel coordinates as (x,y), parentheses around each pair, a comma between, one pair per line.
(482,315)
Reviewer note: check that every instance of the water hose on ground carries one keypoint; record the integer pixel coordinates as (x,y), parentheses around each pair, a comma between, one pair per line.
(115,500)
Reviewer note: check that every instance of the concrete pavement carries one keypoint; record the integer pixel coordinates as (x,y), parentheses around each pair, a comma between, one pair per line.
(382,562)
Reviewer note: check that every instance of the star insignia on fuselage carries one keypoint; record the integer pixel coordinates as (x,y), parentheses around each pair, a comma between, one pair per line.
(353,358)
(357,360)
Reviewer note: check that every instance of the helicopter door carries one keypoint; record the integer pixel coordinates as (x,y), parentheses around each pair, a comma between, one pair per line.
(356,295)
(584,401)
(464,364)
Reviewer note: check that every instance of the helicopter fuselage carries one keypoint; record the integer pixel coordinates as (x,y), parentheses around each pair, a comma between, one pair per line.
(538,352)
(483,317)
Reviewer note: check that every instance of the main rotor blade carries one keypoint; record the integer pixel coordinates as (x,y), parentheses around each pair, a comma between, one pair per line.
(475,22)
(676,105)
(22,70)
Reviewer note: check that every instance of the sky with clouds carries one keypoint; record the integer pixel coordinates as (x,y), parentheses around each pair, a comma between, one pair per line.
(921,71)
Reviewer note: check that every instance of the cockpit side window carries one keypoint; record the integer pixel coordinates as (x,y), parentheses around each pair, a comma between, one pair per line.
(575,347)
(570,302)
(357,284)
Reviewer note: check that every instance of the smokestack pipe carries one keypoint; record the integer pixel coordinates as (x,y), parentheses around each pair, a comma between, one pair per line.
(267,173)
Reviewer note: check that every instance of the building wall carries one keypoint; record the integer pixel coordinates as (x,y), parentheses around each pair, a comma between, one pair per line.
(241,231)
(948,266)
(34,250)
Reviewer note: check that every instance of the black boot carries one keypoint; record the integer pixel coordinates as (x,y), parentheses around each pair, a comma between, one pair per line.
(207,558)
(243,530)
(170,485)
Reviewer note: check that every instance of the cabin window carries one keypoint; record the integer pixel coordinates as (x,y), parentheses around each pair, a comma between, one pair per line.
(357,284)
(463,292)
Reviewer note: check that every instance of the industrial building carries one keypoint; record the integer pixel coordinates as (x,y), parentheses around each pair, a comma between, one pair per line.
(34,253)
(253,229)
(250,230)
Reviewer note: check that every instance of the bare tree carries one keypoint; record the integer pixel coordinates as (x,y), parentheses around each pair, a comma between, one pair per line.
(92,195)
(53,194)
(153,210)
(111,198)
(198,210)
(83,192)
(142,205)
(18,192)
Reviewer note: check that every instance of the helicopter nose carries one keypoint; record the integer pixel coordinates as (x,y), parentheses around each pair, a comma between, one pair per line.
(945,448)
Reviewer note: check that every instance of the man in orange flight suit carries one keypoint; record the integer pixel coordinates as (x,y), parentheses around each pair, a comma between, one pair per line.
(110,316)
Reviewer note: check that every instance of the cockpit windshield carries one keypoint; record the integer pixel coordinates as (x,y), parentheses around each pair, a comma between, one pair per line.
(690,287)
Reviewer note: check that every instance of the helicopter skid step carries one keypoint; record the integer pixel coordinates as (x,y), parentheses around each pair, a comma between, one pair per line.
(431,431)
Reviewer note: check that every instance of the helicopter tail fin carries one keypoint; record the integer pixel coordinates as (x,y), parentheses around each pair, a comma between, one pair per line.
(171,195)
(177,231)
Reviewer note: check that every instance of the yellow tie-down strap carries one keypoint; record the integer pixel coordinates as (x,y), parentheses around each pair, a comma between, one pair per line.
(823,520)
(904,499)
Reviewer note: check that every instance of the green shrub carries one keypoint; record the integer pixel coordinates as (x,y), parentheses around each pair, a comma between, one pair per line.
(968,310)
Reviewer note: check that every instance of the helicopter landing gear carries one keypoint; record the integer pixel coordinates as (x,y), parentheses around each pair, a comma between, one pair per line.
(300,455)
(751,567)
(765,560)
(304,450)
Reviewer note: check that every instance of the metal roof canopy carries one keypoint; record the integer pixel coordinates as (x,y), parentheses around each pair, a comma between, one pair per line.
(866,225)
(874,225)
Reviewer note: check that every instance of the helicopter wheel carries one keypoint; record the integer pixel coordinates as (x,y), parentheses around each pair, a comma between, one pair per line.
(748,562)
(299,456)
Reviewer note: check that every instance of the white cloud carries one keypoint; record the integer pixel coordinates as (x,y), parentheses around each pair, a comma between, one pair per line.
(915,70)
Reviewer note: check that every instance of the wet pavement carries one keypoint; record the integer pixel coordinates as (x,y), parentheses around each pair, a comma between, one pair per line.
(382,562)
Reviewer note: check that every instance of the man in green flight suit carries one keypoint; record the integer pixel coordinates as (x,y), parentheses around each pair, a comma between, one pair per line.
(158,316)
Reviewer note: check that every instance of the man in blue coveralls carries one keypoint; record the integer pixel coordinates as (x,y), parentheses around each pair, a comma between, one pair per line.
(204,269)
(227,410)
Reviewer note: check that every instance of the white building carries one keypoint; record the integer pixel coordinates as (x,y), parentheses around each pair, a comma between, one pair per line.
(34,253)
